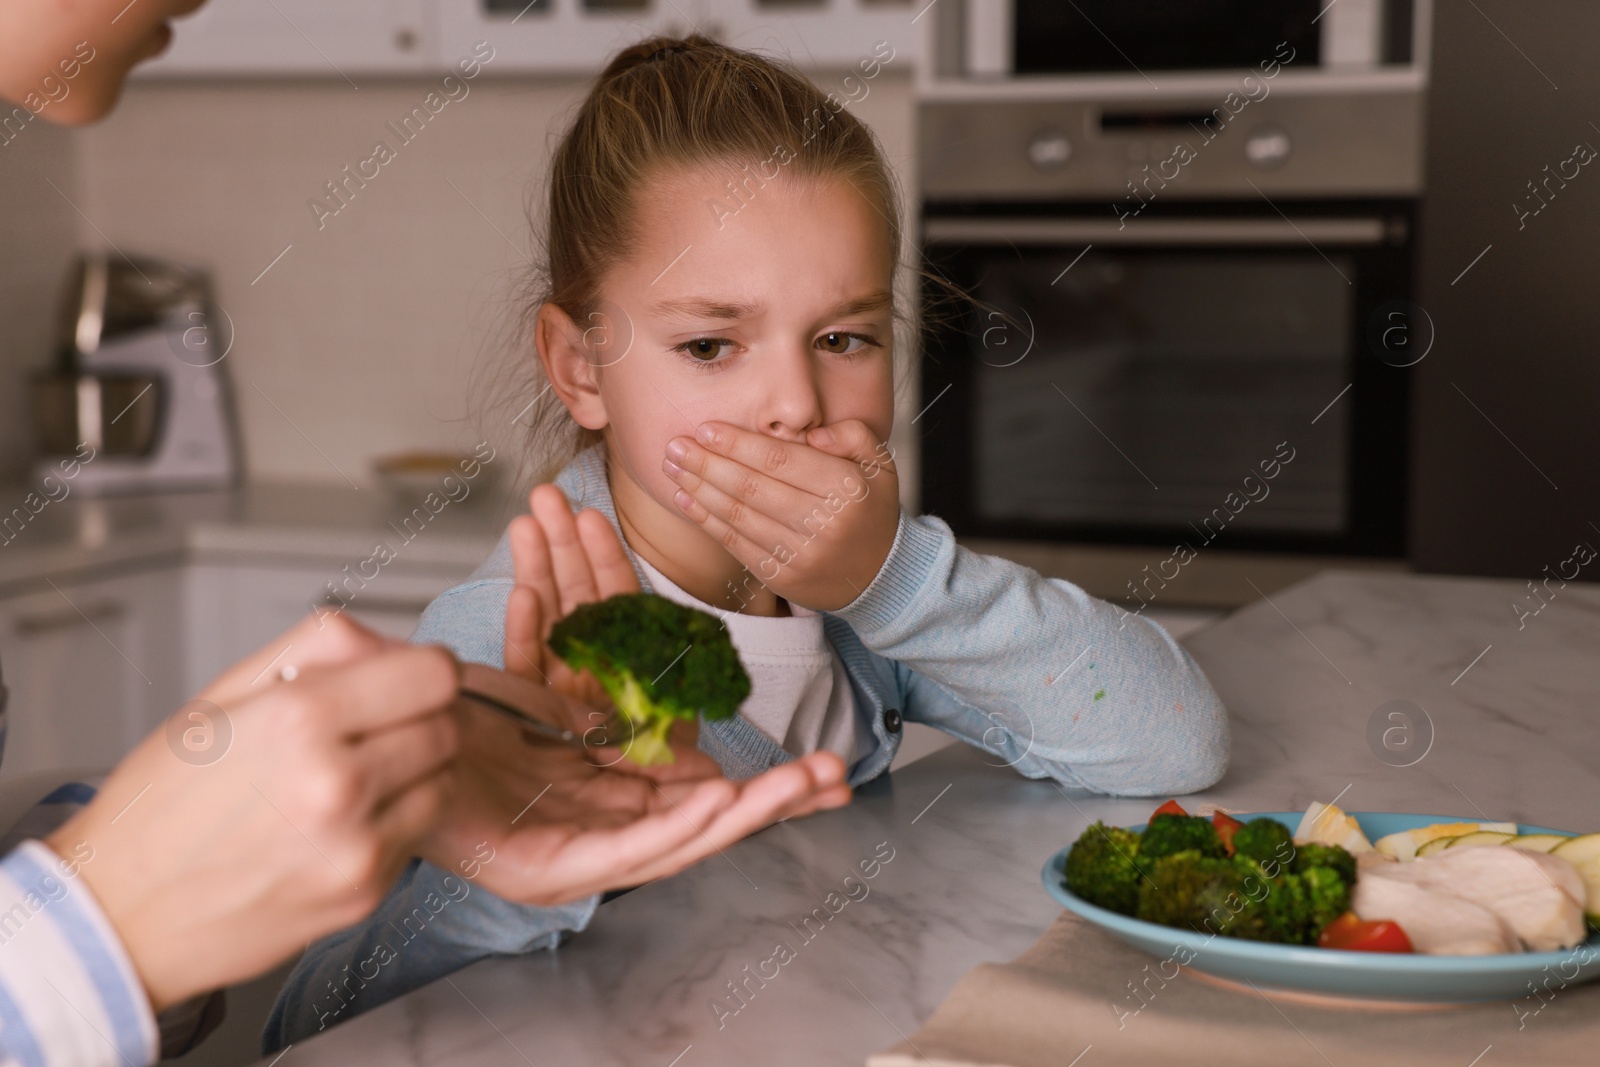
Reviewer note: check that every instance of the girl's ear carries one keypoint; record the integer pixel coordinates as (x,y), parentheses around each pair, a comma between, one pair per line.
(569,366)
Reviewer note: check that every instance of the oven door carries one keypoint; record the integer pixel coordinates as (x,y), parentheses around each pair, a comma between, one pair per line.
(1236,378)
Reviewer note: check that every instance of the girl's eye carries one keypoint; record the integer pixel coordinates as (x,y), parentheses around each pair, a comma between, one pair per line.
(703,349)
(841,343)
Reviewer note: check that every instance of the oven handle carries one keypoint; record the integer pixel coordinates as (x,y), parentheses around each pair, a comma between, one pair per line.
(1255,232)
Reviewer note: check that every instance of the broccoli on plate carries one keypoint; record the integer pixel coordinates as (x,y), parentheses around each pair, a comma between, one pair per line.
(1170,834)
(1262,839)
(1327,894)
(1177,873)
(1102,867)
(1183,888)
(1230,897)
(658,660)
(1307,857)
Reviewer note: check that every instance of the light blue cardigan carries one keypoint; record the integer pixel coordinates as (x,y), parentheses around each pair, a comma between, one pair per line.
(1053,681)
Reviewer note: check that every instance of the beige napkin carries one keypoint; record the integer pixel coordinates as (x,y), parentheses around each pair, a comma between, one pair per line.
(1070,999)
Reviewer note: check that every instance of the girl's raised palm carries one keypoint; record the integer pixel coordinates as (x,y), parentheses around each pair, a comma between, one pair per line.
(560,560)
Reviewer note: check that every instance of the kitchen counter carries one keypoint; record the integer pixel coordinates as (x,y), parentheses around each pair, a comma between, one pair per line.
(955,844)
(80,536)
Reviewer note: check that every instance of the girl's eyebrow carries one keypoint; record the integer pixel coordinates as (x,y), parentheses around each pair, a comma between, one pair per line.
(876,300)
(693,308)
(703,309)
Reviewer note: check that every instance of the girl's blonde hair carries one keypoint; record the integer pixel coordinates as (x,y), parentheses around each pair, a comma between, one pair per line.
(675,102)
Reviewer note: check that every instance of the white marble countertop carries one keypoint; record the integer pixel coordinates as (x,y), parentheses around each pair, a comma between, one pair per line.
(84,536)
(1516,733)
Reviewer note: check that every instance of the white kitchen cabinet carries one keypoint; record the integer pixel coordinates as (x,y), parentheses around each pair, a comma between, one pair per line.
(234,608)
(575,37)
(95,666)
(827,34)
(352,38)
(92,667)
(302,38)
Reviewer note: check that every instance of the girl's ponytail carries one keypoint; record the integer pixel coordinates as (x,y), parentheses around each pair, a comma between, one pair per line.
(651,50)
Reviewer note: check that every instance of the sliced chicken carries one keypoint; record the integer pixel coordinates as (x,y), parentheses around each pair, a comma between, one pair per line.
(1438,923)
(1365,860)
(1538,895)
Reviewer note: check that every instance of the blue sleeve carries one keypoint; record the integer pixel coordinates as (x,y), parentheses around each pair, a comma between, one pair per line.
(69,994)
(451,922)
(431,924)
(1052,680)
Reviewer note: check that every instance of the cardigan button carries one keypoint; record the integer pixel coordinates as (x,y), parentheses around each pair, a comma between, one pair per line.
(891,720)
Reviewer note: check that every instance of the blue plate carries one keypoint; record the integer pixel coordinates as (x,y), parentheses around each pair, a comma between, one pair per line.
(1394,978)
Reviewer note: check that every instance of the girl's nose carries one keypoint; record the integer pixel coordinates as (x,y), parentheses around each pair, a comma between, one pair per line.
(793,400)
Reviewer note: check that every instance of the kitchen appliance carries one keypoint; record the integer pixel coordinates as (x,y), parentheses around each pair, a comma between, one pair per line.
(1183,280)
(1003,38)
(139,396)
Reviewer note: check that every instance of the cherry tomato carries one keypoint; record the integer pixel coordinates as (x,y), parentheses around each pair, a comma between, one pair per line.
(1226,826)
(1171,807)
(1352,934)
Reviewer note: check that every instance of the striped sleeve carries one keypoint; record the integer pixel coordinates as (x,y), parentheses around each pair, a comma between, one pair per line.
(68,991)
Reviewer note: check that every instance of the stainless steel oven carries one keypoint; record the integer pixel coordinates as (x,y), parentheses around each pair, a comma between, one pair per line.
(1208,374)
(1192,267)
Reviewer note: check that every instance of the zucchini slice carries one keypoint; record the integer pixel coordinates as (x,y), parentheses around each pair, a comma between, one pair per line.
(1438,844)
(1480,839)
(1537,842)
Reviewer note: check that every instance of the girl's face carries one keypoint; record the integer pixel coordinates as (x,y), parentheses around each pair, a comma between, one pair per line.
(771,310)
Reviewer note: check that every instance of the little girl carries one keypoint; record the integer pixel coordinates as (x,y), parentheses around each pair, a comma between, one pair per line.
(717,340)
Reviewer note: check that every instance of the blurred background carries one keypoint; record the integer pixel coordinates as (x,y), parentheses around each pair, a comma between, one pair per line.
(1265,288)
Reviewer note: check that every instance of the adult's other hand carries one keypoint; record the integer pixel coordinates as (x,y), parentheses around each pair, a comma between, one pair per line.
(214,870)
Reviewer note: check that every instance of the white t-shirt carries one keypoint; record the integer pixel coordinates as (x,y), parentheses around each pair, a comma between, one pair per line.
(799,692)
